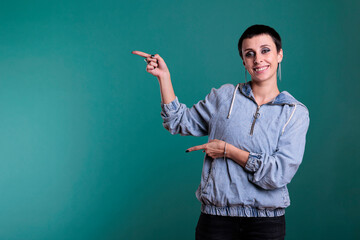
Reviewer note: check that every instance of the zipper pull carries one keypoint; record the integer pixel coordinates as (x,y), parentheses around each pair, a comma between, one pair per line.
(256,116)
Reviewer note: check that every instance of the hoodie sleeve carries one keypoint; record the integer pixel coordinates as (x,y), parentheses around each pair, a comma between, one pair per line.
(178,119)
(277,170)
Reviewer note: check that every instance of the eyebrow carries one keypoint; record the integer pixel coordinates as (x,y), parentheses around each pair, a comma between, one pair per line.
(265,45)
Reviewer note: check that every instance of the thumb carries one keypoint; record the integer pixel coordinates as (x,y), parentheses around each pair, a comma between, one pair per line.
(161,61)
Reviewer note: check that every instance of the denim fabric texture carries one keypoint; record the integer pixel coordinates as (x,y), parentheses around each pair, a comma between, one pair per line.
(274,134)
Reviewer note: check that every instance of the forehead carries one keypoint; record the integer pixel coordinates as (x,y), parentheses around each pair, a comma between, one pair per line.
(257,41)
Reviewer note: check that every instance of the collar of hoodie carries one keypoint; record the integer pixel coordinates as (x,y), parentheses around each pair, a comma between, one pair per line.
(283,98)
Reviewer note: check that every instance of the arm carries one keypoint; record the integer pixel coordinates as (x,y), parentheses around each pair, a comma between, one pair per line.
(156,66)
(276,170)
(166,89)
(237,155)
(177,117)
(216,149)
(264,170)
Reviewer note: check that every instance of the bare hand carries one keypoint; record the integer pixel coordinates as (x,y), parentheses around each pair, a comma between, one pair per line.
(156,65)
(214,148)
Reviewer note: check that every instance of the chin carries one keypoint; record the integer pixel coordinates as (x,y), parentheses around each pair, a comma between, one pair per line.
(261,78)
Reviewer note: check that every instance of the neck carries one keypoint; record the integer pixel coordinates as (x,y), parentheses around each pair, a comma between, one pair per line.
(264,92)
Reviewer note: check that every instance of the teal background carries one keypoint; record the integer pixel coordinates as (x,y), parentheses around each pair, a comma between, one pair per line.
(83,154)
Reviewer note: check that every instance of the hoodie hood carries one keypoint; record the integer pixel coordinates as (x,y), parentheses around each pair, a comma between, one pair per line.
(283,98)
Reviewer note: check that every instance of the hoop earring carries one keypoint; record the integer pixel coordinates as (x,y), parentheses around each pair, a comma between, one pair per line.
(279,71)
(245,76)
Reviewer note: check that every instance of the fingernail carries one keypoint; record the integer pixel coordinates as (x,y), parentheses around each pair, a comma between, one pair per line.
(187,151)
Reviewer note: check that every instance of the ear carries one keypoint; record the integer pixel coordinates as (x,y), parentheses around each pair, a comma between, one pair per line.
(280,55)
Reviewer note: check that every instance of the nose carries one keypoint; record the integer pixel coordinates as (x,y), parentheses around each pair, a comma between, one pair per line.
(257,59)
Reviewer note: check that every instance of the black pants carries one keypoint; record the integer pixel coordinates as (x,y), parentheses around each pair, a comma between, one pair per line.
(212,227)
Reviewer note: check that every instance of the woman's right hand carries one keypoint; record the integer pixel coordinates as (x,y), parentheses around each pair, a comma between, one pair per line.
(156,65)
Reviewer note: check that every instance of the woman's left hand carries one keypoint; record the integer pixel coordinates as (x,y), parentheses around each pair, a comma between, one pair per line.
(214,148)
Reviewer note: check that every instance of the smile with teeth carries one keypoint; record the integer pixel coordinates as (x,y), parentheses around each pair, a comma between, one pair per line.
(261,69)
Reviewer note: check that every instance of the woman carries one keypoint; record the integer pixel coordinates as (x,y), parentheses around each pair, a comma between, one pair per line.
(256,142)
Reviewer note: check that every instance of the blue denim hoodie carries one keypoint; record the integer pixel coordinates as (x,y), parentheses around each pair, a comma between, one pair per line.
(273,133)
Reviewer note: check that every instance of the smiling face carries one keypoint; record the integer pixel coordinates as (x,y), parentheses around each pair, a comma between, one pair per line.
(261,58)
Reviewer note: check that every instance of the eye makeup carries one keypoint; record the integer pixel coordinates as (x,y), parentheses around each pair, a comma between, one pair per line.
(252,53)
(265,50)
(249,54)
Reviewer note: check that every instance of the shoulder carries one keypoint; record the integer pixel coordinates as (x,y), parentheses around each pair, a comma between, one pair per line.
(223,92)
(291,100)
(224,88)
(297,114)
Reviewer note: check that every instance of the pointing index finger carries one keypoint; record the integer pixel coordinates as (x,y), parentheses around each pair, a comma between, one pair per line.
(195,148)
(142,54)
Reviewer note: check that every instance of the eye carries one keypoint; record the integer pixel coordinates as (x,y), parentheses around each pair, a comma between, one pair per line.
(249,54)
(265,50)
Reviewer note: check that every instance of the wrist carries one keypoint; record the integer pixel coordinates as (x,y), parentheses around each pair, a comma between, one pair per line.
(228,150)
(236,154)
(165,77)
(225,153)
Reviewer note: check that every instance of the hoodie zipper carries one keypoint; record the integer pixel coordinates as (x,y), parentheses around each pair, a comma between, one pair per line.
(256,116)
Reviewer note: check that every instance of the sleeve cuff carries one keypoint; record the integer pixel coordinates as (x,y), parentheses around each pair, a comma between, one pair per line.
(171,107)
(254,162)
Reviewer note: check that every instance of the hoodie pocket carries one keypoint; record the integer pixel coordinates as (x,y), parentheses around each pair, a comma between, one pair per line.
(209,174)
(285,195)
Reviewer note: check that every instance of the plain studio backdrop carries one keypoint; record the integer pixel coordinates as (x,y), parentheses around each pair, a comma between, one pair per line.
(83,154)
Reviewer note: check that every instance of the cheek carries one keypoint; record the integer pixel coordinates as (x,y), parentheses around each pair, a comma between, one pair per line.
(247,63)
(274,58)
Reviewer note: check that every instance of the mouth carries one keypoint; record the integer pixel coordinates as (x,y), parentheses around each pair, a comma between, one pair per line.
(261,69)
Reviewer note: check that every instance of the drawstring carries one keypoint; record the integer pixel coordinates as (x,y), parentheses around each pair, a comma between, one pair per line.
(232,101)
(231,107)
(292,114)
(232,104)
